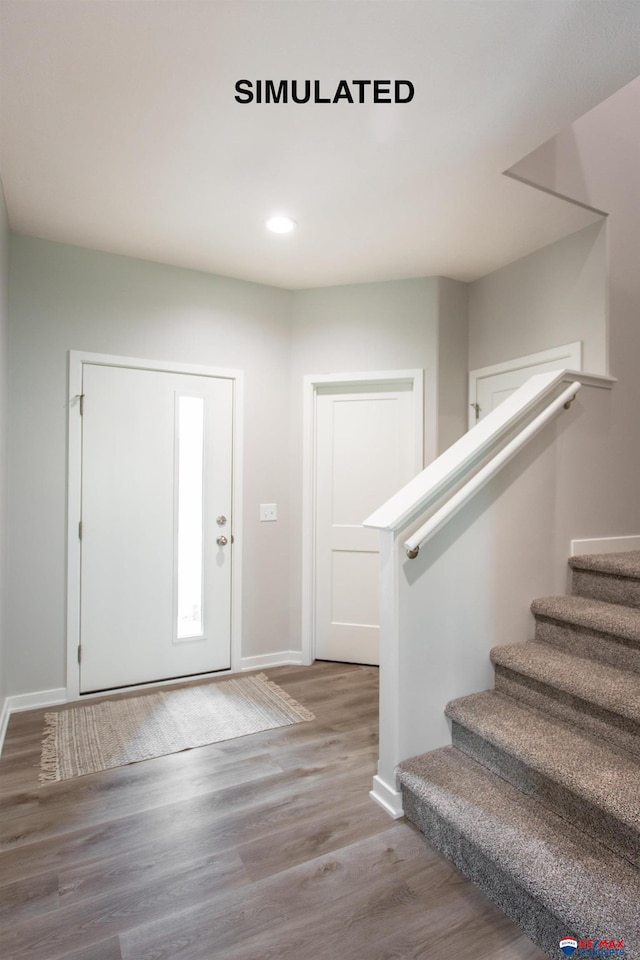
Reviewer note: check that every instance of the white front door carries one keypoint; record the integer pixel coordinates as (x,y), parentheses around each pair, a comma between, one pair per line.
(365,451)
(156,512)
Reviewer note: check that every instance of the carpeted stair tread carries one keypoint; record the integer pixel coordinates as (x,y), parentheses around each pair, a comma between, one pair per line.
(616,691)
(610,618)
(538,800)
(614,578)
(614,564)
(591,769)
(578,882)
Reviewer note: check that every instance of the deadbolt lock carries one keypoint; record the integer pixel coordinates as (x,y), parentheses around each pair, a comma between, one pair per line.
(221,521)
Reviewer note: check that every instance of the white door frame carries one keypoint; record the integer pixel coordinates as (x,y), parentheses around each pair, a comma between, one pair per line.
(74,498)
(311,384)
(568,355)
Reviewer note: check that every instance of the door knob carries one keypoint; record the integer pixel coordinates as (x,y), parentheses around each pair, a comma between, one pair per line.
(222,541)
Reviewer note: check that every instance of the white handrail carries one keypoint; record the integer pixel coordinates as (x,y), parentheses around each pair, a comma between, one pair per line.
(458,500)
(464,455)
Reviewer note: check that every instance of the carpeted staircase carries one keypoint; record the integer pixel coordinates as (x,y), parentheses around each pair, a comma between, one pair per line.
(538,799)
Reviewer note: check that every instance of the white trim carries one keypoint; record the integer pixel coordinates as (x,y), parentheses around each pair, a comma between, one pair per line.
(569,351)
(37,700)
(163,366)
(567,356)
(311,383)
(283,658)
(601,380)
(28,701)
(74,510)
(74,496)
(389,750)
(580,548)
(362,376)
(238,539)
(389,799)
(4,721)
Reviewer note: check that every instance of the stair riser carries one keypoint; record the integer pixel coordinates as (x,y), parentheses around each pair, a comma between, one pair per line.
(539,924)
(600,825)
(600,723)
(617,652)
(603,586)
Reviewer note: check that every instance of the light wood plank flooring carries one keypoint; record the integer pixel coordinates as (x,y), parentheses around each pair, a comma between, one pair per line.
(263,848)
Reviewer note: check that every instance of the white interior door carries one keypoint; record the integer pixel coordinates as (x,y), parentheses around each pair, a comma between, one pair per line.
(492,390)
(365,451)
(489,386)
(156,510)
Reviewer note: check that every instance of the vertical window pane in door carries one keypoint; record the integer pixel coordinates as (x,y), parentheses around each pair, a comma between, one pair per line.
(190,515)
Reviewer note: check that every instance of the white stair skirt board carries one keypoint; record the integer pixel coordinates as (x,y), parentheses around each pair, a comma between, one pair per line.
(387,797)
(580,548)
(283,658)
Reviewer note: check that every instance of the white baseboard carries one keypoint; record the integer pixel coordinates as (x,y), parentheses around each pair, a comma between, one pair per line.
(604,545)
(41,698)
(283,658)
(387,797)
(4,721)
(28,701)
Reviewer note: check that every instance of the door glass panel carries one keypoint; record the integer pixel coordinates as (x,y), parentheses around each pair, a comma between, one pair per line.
(190,516)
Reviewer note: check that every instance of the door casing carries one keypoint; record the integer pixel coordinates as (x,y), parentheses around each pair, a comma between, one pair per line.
(74,498)
(310,388)
(569,355)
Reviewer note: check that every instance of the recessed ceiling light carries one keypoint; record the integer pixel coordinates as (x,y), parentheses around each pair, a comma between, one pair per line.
(280,224)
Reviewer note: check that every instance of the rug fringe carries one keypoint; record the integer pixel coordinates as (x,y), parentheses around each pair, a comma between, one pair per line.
(48,759)
(284,696)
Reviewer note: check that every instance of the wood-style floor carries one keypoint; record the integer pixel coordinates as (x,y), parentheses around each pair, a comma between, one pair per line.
(263,848)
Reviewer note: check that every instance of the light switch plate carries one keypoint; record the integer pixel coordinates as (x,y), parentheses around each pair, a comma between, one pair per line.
(268,512)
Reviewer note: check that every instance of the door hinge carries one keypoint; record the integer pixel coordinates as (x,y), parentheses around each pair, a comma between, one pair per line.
(81,399)
(79,653)
(80,530)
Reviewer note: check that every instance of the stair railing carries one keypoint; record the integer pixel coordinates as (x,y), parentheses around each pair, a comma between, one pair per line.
(441,479)
(430,500)
(463,495)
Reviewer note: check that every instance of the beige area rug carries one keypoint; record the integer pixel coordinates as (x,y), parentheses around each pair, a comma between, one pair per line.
(94,737)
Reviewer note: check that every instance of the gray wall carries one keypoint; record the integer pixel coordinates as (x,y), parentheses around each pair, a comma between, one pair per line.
(399,324)
(596,161)
(552,297)
(4,317)
(65,297)
(453,349)
(371,326)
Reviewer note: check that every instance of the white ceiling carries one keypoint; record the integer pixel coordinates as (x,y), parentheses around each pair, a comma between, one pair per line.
(120,130)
